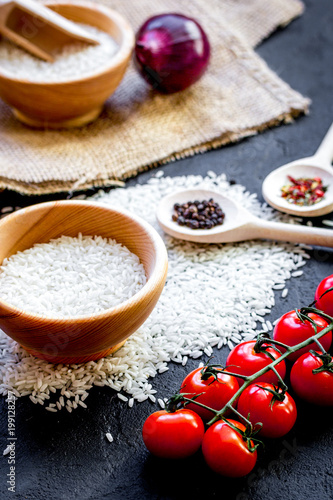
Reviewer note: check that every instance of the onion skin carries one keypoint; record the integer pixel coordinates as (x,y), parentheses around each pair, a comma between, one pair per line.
(172,52)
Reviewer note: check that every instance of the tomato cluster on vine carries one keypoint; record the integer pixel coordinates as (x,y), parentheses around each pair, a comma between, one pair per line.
(225,410)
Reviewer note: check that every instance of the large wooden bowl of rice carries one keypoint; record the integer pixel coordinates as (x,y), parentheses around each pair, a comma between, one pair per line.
(77,256)
(71,90)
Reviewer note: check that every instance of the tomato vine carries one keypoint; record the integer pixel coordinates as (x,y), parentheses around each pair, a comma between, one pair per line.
(288,350)
(229,446)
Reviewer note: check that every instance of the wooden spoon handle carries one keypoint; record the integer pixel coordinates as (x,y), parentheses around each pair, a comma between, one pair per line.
(57,20)
(292,232)
(325,151)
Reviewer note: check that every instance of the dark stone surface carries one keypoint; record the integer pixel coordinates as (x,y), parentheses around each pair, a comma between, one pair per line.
(66,456)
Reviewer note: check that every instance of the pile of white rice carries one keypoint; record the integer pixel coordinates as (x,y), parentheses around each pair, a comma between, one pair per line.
(215,295)
(70,277)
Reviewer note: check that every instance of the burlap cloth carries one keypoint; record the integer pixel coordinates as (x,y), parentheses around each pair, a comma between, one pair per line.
(139,129)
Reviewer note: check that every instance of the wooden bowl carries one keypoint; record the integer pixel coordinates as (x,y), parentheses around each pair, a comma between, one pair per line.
(75,102)
(84,338)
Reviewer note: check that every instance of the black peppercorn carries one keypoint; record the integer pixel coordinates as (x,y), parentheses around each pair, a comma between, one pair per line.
(204,214)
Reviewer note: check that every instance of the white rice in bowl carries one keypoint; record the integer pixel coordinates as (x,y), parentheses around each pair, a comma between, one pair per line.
(71,276)
(71,62)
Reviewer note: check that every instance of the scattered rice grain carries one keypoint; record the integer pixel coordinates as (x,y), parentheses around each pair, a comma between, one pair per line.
(122,397)
(296,274)
(109,437)
(327,222)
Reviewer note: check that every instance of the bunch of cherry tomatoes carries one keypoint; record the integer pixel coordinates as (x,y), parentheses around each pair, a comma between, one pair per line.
(225,410)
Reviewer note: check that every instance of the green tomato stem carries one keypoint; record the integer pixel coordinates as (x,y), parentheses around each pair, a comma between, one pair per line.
(189,400)
(284,386)
(277,342)
(236,412)
(317,311)
(320,345)
(244,377)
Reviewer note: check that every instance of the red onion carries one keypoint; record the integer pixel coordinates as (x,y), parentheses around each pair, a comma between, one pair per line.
(172,52)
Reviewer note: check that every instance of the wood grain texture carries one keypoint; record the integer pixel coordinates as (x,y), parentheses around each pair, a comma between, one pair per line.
(89,337)
(75,102)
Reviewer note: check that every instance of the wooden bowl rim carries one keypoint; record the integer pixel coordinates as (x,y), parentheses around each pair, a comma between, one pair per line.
(123,53)
(158,275)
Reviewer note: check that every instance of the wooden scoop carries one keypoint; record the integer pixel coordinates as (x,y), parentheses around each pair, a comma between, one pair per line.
(239,224)
(38,29)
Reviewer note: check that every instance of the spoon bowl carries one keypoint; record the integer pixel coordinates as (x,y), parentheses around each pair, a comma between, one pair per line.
(235,216)
(239,224)
(271,188)
(318,165)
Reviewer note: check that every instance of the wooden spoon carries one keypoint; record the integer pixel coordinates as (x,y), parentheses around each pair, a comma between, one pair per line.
(239,224)
(318,165)
(38,29)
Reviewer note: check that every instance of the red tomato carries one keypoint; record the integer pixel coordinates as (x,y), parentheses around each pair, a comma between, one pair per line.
(226,451)
(315,388)
(325,303)
(277,418)
(291,330)
(173,435)
(214,392)
(244,360)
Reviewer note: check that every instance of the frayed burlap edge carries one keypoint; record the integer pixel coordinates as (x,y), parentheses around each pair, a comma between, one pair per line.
(70,187)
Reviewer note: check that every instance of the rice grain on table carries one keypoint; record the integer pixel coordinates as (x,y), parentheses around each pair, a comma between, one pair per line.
(109,437)
(327,222)
(295,274)
(8,449)
(215,295)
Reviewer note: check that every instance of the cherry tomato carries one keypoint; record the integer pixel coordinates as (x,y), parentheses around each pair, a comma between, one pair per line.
(244,360)
(215,390)
(325,303)
(291,330)
(315,388)
(277,417)
(175,434)
(226,451)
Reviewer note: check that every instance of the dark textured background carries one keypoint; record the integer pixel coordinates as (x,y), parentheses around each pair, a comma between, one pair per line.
(66,456)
